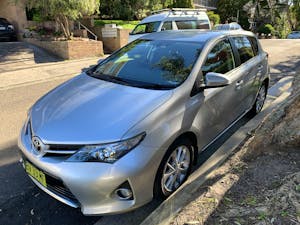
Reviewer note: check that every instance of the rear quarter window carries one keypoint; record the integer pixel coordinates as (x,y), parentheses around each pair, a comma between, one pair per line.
(244,48)
(254,45)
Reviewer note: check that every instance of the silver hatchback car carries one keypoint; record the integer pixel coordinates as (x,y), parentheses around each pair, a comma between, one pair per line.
(130,128)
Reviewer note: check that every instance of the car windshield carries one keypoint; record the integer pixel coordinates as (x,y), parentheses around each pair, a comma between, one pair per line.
(3,21)
(152,64)
(146,28)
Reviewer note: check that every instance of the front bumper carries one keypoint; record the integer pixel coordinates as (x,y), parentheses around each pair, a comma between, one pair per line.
(8,35)
(93,184)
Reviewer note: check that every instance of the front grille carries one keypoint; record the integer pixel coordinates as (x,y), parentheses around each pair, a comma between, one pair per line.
(57,186)
(64,147)
(54,149)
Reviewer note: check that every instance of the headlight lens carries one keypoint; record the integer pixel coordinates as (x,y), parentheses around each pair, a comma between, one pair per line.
(108,153)
(10,27)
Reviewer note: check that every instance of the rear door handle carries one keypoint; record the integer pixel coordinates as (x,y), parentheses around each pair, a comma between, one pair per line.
(239,84)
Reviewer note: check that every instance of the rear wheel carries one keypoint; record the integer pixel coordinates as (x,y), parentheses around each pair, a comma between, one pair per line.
(260,100)
(174,168)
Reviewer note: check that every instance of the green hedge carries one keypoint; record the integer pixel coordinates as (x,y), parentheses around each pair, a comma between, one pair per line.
(125,24)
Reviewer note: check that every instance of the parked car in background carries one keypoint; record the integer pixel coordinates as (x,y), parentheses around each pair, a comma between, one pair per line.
(7,31)
(171,19)
(132,127)
(228,26)
(294,35)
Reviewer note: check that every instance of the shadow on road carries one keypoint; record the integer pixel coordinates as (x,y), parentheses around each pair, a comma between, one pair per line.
(282,69)
(22,52)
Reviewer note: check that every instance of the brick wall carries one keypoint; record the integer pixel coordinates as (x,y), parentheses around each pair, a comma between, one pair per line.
(70,49)
(113,43)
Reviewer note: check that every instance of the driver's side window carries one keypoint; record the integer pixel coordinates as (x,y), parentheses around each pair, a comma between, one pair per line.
(220,59)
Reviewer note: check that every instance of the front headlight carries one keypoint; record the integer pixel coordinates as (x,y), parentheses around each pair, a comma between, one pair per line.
(108,153)
(10,27)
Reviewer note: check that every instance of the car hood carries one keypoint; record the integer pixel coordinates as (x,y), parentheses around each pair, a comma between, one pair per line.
(86,110)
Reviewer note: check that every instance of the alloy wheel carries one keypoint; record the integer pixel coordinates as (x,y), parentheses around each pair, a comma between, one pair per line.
(176,169)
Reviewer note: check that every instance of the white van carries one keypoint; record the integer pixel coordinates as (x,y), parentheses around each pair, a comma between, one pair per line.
(171,19)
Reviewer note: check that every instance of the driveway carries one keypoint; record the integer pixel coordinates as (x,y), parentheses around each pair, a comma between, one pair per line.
(21,55)
(284,56)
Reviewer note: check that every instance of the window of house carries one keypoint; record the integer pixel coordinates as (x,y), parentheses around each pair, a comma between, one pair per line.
(220,59)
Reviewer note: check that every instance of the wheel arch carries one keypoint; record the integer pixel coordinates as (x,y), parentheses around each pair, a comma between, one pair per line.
(193,138)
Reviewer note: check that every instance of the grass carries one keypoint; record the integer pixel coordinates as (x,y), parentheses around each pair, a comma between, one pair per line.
(250,200)
(125,24)
(262,216)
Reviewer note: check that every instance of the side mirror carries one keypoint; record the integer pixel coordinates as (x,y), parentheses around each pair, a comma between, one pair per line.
(213,80)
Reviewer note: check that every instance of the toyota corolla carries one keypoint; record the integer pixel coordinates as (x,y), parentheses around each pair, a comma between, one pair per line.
(131,128)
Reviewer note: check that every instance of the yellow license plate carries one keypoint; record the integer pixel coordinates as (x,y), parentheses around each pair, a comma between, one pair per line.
(36,173)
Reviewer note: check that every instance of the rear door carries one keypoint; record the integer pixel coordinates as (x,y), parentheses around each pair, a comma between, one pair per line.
(249,68)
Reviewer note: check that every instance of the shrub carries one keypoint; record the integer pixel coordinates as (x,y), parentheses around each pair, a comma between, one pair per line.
(266,29)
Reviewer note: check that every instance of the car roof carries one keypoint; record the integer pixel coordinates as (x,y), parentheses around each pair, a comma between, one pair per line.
(194,35)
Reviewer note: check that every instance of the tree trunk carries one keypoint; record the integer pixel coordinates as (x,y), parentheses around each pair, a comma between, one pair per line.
(64,23)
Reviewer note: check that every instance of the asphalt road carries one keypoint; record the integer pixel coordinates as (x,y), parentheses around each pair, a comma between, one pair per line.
(23,203)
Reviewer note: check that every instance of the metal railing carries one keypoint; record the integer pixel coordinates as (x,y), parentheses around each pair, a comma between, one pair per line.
(88,30)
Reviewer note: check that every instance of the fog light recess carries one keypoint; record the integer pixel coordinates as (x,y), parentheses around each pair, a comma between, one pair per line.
(124,192)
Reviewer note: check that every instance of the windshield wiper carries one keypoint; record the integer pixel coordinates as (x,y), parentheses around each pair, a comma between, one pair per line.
(157,86)
(109,78)
(132,83)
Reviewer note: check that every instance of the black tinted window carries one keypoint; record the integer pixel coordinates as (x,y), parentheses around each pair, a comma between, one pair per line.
(220,59)
(192,24)
(254,45)
(244,48)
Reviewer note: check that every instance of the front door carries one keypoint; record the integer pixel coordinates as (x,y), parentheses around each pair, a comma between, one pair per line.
(218,107)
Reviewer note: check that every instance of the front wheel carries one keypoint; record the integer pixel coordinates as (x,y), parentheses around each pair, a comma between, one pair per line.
(174,168)
(260,100)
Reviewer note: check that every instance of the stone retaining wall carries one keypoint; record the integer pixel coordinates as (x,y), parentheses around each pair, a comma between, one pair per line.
(70,49)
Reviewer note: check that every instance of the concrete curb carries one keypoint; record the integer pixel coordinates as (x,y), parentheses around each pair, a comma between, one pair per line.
(164,213)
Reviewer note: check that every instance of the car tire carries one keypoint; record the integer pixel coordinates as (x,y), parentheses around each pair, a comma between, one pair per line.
(174,168)
(259,101)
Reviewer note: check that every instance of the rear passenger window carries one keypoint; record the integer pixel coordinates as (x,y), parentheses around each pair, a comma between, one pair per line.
(192,24)
(254,45)
(244,48)
(167,26)
(220,59)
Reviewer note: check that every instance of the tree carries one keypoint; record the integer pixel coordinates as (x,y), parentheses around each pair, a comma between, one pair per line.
(214,18)
(62,11)
(183,4)
(293,14)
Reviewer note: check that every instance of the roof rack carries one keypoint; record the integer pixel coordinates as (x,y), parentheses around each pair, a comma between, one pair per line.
(179,10)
